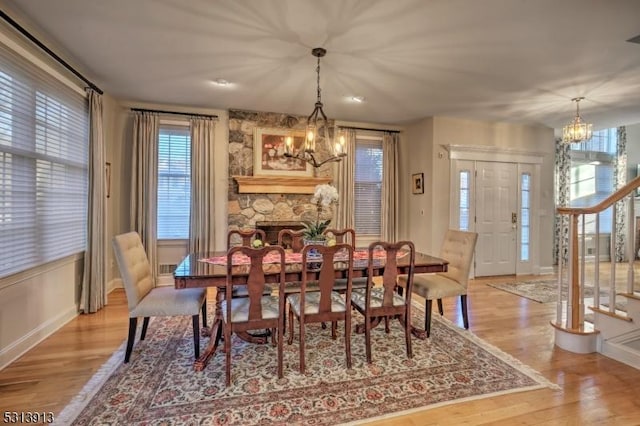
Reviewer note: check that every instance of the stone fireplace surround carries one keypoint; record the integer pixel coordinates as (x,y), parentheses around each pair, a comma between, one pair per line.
(246,209)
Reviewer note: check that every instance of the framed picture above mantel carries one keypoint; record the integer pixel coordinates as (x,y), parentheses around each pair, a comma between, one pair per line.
(268,153)
(278,184)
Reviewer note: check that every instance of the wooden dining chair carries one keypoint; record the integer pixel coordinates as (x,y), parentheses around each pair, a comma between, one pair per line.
(246,237)
(346,235)
(257,311)
(384,302)
(457,248)
(324,304)
(293,239)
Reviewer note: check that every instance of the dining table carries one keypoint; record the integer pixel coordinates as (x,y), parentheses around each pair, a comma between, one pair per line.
(200,270)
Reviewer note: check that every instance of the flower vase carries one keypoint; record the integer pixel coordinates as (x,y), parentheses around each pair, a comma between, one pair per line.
(313,252)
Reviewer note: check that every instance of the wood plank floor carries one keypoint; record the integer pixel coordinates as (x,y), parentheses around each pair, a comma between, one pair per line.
(595,389)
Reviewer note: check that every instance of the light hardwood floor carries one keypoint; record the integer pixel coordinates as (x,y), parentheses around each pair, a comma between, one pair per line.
(595,389)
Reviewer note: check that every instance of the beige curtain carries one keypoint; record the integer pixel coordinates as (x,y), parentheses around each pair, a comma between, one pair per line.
(144,182)
(345,182)
(389,211)
(93,295)
(201,232)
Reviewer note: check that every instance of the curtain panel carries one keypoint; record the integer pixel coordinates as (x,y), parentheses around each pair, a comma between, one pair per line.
(201,224)
(389,209)
(93,294)
(144,183)
(345,183)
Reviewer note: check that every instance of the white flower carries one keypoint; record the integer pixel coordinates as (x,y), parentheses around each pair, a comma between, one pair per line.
(325,195)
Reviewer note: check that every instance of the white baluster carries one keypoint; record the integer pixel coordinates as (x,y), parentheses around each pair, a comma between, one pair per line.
(560,271)
(570,272)
(596,266)
(582,274)
(631,244)
(612,244)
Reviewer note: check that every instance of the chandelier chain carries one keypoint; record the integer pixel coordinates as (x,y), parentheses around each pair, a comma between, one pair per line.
(318,80)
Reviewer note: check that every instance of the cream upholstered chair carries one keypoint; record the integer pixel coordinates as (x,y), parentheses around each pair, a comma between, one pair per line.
(457,249)
(146,300)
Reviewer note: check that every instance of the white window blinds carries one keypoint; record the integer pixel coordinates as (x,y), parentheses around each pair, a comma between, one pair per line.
(368,186)
(174,182)
(43,166)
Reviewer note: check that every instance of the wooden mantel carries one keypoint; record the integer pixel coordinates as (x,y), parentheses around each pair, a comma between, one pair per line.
(278,184)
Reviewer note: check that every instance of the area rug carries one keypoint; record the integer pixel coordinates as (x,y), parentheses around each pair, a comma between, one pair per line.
(542,291)
(545,291)
(159,385)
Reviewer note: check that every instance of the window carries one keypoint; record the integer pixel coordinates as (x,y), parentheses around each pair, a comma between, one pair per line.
(43,166)
(525,217)
(592,180)
(174,182)
(465,199)
(368,186)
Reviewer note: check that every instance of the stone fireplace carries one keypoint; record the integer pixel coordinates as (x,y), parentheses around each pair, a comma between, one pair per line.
(247,208)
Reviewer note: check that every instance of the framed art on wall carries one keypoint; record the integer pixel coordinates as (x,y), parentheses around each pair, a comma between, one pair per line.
(417,183)
(268,153)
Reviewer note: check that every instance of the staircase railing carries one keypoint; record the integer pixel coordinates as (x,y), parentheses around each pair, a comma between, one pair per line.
(571,271)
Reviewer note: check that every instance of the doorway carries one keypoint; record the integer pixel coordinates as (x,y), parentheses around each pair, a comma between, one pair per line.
(496,218)
(498,200)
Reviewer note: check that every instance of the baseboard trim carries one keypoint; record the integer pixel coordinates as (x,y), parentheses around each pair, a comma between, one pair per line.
(18,348)
(113,284)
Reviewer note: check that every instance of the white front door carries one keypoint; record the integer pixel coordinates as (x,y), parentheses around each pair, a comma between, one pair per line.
(496,218)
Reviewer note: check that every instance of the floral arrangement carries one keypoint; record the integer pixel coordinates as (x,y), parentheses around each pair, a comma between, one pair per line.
(324,195)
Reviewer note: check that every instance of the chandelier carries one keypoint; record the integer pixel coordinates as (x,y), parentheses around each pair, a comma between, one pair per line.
(318,133)
(577,130)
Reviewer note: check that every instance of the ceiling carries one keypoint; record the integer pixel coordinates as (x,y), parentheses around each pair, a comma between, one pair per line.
(499,60)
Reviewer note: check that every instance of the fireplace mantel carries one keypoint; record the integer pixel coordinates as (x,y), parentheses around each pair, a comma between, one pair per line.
(278,184)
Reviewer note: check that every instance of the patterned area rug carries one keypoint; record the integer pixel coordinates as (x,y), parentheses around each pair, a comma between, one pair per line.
(542,291)
(545,291)
(159,385)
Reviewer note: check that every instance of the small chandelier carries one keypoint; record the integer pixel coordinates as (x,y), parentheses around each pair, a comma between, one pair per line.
(577,130)
(318,132)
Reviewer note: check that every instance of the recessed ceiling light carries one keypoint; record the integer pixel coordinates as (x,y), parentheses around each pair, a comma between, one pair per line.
(358,99)
(221,82)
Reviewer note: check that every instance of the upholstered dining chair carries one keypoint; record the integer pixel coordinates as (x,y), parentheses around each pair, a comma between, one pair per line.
(346,235)
(385,302)
(146,300)
(294,239)
(322,304)
(257,310)
(457,248)
(246,236)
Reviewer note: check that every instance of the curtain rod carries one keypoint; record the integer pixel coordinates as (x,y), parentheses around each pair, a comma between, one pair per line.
(373,130)
(50,52)
(174,112)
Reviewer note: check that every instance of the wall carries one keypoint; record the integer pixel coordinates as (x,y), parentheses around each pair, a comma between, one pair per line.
(247,209)
(415,156)
(438,132)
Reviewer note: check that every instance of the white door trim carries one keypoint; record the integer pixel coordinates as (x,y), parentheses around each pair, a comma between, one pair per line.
(527,161)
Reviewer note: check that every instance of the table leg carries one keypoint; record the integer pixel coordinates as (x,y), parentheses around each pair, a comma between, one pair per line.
(374,323)
(214,332)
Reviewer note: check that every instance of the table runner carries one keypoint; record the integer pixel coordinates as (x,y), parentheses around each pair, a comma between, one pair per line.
(241,259)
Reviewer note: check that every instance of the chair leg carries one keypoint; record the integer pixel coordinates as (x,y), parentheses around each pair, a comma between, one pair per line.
(227,350)
(386,325)
(367,337)
(280,347)
(204,313)
(195,319)
(133,324)
(334,330)
(145,324)
(347,336)
(302,366)
(407,332)
(427,317)
(465,316)
(290,339)
(440,307)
